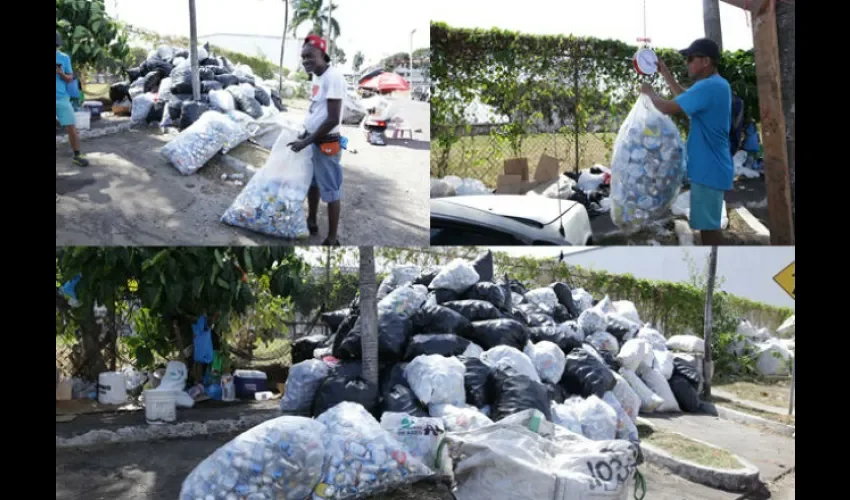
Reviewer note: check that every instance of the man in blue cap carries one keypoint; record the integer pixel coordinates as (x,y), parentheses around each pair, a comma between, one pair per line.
(64,110)
(708,104)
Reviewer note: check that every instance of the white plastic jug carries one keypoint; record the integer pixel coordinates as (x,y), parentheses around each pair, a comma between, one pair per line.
(111,388)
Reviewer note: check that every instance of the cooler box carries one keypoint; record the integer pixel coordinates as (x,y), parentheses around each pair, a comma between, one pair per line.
(248,382)
(95,107)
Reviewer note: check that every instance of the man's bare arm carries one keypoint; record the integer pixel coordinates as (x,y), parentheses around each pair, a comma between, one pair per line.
(334,110)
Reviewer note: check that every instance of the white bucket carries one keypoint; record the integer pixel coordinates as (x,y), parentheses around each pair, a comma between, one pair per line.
(111,388)
(83,120)
(160,406)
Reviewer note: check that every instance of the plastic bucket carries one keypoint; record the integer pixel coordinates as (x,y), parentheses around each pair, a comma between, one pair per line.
(160,407)
(83,120)
(111,388)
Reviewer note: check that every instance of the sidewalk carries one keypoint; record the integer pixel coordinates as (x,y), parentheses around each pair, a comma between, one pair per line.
(720,393)
(771,453)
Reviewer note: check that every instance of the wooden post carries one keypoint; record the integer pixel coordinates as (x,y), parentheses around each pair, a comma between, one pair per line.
(766,52)
(709,295)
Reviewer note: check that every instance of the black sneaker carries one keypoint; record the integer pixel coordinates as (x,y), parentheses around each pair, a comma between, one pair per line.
(80,161)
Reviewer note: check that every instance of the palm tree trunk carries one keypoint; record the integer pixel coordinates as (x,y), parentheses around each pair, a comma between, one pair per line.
(369,315)
(707,369)
(283,44)
(711,21)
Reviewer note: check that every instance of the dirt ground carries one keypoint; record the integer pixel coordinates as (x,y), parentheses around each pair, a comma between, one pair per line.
(155,470)
(130,195)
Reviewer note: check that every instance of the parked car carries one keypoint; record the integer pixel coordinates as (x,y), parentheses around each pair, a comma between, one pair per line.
(508,220)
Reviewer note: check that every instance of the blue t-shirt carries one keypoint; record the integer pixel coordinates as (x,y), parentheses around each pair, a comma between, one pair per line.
(708,104)
(61,85)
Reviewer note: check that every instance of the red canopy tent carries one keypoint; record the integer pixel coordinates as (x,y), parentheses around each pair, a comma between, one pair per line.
(386,82)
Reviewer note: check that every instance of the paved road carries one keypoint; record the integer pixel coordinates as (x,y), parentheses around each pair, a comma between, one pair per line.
(155,470)
(130,195)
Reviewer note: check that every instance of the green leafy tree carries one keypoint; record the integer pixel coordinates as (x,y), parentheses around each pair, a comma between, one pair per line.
(337,55)
(357,62)
(89,35)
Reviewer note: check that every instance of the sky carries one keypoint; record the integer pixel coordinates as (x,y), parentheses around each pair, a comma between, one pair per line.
(669,23)
(377,28)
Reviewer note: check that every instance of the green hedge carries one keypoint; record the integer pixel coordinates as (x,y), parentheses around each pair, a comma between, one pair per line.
(527,76)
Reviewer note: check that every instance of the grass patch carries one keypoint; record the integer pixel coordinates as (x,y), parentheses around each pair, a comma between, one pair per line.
(275,352)
(768,415)
(482,156)
(772,393)
(682,447)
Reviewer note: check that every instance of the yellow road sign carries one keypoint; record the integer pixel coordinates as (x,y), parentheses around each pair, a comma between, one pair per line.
(786,279)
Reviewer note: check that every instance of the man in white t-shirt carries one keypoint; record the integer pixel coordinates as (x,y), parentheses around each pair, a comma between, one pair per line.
(321,132)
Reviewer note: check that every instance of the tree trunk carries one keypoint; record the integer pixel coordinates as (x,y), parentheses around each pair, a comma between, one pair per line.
(707,369)
(711,21)
(787,76)
(91,363)
(283,44)
(369,315)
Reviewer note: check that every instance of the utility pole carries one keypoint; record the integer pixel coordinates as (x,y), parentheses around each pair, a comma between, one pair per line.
(330,27)
(707,369)
(193,52)
(411,63)
(283,44)
(369,315)
(711,21)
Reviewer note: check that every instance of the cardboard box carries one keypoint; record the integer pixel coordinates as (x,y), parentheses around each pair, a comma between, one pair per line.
(515,180)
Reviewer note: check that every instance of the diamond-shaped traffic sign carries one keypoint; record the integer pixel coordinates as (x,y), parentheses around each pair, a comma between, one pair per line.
(786,279)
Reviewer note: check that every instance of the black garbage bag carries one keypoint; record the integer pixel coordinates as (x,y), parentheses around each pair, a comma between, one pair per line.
(619,327)
(474,310)
(686,370)
(350,368)
(336,389)
(302,349)
(346,325)
(192,110)
(488,292)
(515,393)
(152,80)
(556,392)
(226,64)
(426,277)
(438,319)
(119,91)
(478,382)
(208,86)
(184,53)
(227,80)
(263,97)
(535,316)
(246,79)
(181,79)
(393,335)
(278,103)
(133,74)
(586,375)
(155,114)
(685,394)
(561,314)
(174,110)
(518,315)
(610,361)
(444,344)
(392,374)
(493,332)
(442,295)
(565,297)
(154,63)
(206,74)
(334,318)
(553,334)
(209,61)
(483,265)
(355,304)
(517,287)
(401,399)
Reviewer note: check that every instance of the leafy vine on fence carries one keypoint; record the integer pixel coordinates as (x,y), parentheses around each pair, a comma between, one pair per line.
(530,78)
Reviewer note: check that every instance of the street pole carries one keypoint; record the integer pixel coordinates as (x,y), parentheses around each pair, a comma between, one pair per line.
(193,52)
(411,63)
(709,296)
(793,382)
(330,26)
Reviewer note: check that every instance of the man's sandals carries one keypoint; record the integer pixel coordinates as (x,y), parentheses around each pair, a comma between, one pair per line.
(314,230)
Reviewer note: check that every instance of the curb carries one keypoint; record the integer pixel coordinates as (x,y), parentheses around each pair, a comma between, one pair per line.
(762,233)
(745,418)
(734,480)
(123,126)
(180,430)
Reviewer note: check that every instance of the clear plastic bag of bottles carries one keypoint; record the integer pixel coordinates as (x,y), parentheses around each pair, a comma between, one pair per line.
(647,168)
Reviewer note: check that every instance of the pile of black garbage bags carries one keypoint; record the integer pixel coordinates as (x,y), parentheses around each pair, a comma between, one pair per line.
(174,66)
(492,326)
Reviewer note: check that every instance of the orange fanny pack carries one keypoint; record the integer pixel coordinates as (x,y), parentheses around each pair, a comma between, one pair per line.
(330,148)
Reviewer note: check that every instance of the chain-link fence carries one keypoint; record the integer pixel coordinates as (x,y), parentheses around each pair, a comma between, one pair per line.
(481,150)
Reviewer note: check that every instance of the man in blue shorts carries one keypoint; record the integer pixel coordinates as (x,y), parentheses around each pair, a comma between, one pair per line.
(708,104)
(64,110)
(322,133)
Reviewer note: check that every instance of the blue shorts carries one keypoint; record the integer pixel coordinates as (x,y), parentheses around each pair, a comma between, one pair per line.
(706,208)
(327,175)
(65,112)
